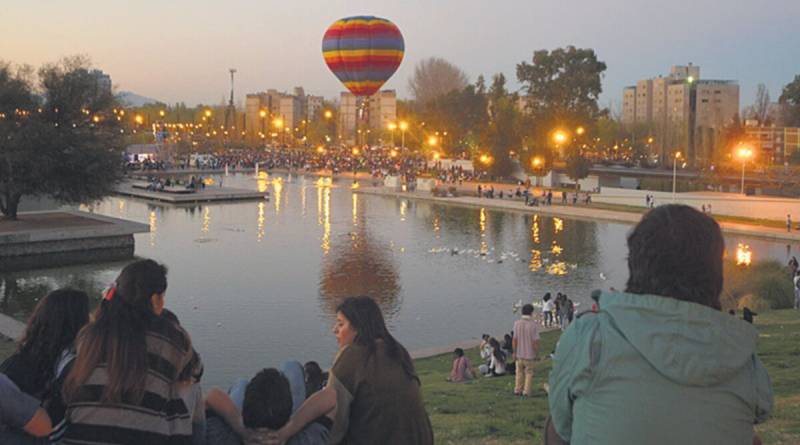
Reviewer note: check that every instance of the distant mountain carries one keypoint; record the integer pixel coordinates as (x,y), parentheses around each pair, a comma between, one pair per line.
(134,100)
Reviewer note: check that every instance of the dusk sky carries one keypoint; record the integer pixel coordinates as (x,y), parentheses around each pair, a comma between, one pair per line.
(181,50)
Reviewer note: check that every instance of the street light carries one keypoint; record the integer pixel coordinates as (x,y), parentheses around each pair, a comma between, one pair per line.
(744,152)
(328,114)
(392,126)
(403,128)
(559,137)
(355,154)
(580,131)
(433,140)
(675,172)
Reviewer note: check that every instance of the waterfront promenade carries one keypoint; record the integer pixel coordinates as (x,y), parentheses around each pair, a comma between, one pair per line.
(576,211)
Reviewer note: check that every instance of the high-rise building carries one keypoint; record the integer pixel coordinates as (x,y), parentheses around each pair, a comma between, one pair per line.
(103,81)
(773,144)
(685,114)
(373,113)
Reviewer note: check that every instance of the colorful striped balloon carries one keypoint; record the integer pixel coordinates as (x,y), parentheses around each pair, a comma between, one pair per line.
(363,52)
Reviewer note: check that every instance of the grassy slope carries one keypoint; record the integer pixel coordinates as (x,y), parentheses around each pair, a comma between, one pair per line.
(486,412)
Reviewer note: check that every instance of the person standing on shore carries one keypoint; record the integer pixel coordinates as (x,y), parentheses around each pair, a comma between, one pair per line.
(796,282)
(525,344)
(788,222)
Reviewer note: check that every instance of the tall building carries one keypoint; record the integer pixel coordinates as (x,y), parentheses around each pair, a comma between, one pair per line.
(103,80)
(373,113)
(775,144)
(288,109)
(685,113)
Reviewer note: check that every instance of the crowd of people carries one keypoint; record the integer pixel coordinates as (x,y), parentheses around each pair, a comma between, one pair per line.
(659,363)
(129,374)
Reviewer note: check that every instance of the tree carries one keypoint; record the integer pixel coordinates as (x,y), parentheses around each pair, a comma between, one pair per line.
(578,168)
(561,89)
(61,140)
(760,111)
(435,77)
(790,99)
(502,133)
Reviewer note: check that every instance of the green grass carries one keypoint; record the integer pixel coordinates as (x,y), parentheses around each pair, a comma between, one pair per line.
(485,411)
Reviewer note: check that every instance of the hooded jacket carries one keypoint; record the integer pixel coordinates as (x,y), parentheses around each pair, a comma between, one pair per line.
(655,370)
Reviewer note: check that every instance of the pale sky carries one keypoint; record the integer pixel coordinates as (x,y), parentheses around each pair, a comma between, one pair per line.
(180,50)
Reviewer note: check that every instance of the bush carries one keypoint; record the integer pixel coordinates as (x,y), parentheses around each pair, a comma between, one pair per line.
(761,286)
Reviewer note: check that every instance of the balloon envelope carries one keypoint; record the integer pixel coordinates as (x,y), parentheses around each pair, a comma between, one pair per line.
(363,52)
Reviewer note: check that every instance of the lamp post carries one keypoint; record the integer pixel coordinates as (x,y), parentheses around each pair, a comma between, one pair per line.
(675,172)
(744,153)
(403,128)
(355,165)
(392,126)
(559,137)
(536,163)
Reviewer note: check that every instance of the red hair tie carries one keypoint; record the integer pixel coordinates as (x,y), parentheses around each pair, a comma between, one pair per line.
(109,292)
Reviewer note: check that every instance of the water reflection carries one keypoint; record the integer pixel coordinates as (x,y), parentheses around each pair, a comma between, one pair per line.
(153,228)
(260,222)
(277,188)
(360,264)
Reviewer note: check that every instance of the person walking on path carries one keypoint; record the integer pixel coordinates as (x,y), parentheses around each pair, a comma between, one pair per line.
(796,283)
(789,223)
(525,344)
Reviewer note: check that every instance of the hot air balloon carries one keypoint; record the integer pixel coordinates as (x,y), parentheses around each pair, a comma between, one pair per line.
(363,52)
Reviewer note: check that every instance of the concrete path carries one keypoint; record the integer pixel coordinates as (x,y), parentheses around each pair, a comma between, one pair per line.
(208,194)
(578,211)
(11,328)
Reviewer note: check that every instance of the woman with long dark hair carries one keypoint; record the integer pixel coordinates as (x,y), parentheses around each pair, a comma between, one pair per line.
(122,388)
(50,332)
(372,386)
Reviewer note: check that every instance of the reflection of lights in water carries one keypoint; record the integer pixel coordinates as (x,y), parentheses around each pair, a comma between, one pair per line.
(535,229)
(323,181)
(277,188)
(558,224)
(403,207)
(303,199)
(206,219)
(536,260)
(559,268)
(263,175)
(355,209)
(262,185)
(556,250)
(209,181)
(436,225)
(355,186)
(260,229)
(743,255)
(153,228)
(482,226)
(326,211)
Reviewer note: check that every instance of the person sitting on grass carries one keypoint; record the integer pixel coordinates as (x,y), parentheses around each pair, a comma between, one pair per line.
(497,361)
(661,363)
(22,420)
(462,368)
(46,351)
(254,408)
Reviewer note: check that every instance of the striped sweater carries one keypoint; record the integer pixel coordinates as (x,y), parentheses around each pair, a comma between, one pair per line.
(160,418)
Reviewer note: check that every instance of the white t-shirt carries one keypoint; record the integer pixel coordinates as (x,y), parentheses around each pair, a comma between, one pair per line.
(548,306)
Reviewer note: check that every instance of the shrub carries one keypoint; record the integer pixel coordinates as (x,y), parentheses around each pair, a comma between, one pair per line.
(761,286)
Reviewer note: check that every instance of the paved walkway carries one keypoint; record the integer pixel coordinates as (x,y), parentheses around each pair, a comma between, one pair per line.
(208,194)
(578,211)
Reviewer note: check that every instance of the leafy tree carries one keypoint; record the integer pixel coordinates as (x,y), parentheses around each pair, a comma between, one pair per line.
(578,168)
(61,140)
(435,77)
(502,134)
(561,89)
(790,99)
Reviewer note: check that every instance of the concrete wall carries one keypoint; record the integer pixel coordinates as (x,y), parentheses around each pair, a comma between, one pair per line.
(729,204)
(53,253)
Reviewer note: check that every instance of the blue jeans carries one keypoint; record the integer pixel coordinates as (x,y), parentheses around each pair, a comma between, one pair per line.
(292,370)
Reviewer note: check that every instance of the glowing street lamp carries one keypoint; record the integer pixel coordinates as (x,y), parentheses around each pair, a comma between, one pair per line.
(744,152)
(403,127)
(355,152)
(392,126)
(580,131)
(436,156)
(139,119)
(675,172)
(559,137)
(433,141)
(328,114)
